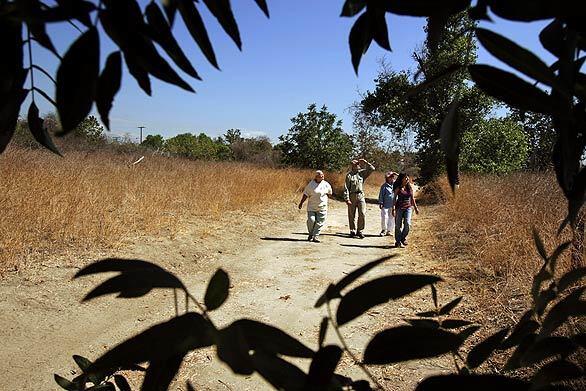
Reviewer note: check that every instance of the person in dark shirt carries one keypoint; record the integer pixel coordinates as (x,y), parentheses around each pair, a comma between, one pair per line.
(403,208)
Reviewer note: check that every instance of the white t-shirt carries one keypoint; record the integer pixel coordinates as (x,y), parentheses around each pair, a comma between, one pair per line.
(317,195)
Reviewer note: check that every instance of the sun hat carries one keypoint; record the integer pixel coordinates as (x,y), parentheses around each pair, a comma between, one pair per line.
(390,174)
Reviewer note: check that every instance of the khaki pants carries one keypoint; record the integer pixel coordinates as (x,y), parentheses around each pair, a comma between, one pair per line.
(357,203)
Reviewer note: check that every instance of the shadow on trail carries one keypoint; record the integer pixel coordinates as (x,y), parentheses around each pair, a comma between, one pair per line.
(338,234)
(284,239)
(384,247)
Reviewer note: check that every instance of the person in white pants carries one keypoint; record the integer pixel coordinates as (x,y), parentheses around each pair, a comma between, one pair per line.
(385,203)
(316,192)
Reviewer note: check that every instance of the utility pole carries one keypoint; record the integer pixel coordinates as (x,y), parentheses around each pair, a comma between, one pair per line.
(141,128)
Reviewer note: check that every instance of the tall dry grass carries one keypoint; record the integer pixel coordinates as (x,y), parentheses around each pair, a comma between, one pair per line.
(484,234)
(95,200)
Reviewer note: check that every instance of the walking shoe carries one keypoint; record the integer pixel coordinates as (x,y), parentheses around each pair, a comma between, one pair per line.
(359,235)
(382,233)
(352,234)
(389,233)
(404,242)
(309,238)
(316,240)
(399,245)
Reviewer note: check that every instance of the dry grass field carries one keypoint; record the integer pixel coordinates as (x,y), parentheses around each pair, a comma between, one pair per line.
(90,200)
(484,234)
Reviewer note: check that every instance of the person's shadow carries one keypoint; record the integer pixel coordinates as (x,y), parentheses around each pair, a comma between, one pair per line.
(284,239)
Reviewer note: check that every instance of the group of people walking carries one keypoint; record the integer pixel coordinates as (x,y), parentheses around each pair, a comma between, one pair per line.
(396,201)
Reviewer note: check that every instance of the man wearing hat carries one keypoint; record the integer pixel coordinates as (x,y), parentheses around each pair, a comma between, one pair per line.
(354,195)
(386,198)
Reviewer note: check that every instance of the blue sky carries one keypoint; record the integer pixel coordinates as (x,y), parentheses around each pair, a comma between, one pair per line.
(297,57)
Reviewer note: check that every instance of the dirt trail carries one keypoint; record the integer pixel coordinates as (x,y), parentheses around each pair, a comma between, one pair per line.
(276,277)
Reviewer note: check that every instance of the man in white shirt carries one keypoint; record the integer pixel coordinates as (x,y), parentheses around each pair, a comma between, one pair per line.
(316,192)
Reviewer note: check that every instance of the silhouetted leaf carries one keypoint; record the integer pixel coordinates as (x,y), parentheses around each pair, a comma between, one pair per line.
(82,362)
(427,314)
(546,348)
(170,7)
(471,382)
(352,7)
(426,7)
(380,33)
(262,4)
(423,323)
(38,31)
(379,291)
(279,373)
(539,245)
(538,279)
(468,332)
(160,373)
(571,277)
(64,383)
(190,387)
(512,90)
(323,329)
(262,336)
(454,323)
(479,12)
(556,371)
(482,351)
(580,339)
(124,24)
(196,28)
(140,75)
(552,36)
(222,10)
(12,78)
(137,278)
(361,36)
(77,77)
(160,342)
(524,327)
(108,85)
(35,124)
(161,33)
(217,290)
(334,291)
(233,349)
(434,296)
(514,361)
(102,387)
(570,306)
(446,309)
(544,298)
(450,142)
(556,254)
(323,366)
(515,56)
(530,11)
(405,343)
(122,383)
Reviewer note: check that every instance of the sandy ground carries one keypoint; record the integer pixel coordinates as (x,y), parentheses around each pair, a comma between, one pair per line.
(276,277)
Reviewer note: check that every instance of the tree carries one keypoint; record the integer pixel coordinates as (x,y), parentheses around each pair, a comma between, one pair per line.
(540,135)
(155,142)
(494,146)
(316,140)
(395,107)
(233,136)
(200,147)
(90,130)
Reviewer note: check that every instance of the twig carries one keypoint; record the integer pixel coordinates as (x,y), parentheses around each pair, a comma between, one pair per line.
(347,349)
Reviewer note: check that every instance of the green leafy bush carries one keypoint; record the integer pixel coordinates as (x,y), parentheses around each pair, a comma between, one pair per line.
(494,146)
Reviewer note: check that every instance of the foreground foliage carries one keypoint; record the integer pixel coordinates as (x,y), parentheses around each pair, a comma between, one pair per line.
(247,346)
